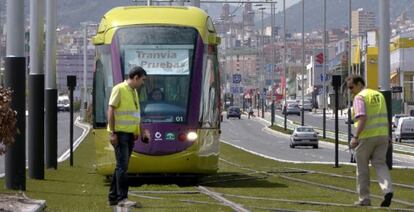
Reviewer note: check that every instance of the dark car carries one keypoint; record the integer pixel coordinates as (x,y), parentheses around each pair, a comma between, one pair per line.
(233,111)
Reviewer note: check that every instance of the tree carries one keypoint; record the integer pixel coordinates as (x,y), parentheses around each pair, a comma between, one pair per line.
(8,119)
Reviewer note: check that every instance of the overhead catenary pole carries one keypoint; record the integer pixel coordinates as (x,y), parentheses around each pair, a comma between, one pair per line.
(36,92)
(51,94)
(1,35)
(384,66)
(325,58)
(14,75)
(284,63)
(349,69)
(303,62)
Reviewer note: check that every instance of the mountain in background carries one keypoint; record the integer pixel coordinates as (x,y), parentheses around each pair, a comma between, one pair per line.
(72,12)
(337,13)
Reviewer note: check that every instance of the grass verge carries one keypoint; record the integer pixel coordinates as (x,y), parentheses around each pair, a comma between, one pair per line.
(241,177)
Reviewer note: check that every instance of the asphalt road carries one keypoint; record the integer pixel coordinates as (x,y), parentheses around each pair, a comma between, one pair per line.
(316,120)
(253,135)
(63,136)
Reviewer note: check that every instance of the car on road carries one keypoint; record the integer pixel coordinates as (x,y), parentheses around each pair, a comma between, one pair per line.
(63,103)
(304,136)
(292,108)
(395,119)
(233,111)
(307,105)
(405,129)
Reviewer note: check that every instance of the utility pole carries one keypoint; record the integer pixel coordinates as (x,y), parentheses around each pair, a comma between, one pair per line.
(303,62)
(51,94)
(384,66)
(14,75)
(36,92)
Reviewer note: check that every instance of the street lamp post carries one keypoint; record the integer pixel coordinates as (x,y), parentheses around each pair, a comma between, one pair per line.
(272,38)
(262,75)
(85,59)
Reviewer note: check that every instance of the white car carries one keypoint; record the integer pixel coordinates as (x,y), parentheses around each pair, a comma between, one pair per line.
(395,119)
(304,136)
(63,103)
(405,129)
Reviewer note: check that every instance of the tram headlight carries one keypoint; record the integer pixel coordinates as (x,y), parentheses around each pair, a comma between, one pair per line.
(192,136)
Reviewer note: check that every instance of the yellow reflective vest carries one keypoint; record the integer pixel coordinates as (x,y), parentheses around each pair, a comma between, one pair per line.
(128,113)
(376,112)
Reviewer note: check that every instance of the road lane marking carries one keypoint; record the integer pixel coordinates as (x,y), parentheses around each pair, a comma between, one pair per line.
(298,162)
(86,128)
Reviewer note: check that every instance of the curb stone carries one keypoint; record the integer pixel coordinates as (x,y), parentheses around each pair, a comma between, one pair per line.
(21,203)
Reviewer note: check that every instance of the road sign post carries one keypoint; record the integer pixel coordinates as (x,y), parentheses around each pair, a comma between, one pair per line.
(336,83)
(71,82)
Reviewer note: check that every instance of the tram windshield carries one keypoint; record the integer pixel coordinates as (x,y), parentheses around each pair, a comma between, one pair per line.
(166,53)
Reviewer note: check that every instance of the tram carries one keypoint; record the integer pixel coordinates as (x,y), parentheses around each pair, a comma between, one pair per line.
(180,100)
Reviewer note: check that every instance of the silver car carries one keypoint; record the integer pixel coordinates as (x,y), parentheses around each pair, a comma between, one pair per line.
(304,136)
(307,105)
(291,108)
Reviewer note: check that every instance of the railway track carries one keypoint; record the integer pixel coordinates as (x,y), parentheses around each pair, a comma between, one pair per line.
(232,200)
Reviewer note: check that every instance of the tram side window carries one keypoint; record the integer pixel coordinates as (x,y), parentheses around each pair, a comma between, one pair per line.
(210,99)
(103,83)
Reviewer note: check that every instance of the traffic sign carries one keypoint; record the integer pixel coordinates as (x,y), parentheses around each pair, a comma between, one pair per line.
(236,78)
(326,77)
(319,58)
(396,89)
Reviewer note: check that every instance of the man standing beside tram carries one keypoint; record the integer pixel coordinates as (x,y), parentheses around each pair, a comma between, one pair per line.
(124,128)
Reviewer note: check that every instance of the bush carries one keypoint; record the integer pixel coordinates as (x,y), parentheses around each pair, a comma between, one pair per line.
(76,106)
(8,119)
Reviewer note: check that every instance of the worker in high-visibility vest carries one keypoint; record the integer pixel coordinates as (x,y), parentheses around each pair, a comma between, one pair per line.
(370,140)
(124,128)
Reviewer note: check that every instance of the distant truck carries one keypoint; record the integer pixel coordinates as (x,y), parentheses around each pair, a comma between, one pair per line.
(63,103)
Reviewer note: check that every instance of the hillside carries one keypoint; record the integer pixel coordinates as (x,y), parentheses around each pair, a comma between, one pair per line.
(72,12)
(337,12)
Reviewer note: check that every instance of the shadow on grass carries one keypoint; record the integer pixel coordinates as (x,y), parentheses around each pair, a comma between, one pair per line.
(223,180)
